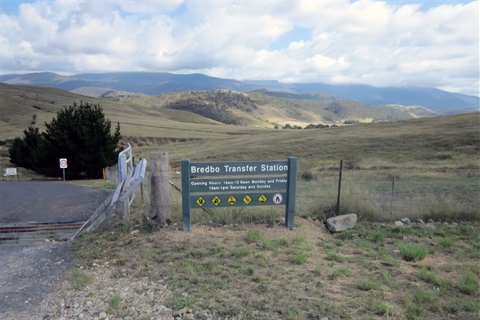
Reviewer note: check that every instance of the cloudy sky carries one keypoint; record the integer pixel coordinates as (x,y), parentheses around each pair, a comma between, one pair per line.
(429,43)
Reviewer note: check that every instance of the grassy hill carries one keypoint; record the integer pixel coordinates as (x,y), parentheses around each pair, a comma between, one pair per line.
(153,83)
(192,125)
(29,105)
(269,109)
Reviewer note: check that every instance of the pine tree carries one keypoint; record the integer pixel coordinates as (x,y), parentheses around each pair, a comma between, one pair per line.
(80,133)
(28,152)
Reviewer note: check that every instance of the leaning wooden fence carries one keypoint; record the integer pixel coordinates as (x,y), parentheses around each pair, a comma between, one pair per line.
(130,178)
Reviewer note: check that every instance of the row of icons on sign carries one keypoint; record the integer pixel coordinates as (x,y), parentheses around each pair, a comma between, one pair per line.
(277,199)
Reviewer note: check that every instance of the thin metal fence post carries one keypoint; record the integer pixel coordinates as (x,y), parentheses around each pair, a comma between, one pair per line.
(339,187)
(391,199)
(291,191)
(186,215)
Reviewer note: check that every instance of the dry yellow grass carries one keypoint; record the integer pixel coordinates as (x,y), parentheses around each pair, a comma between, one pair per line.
(268,272)
(446,142)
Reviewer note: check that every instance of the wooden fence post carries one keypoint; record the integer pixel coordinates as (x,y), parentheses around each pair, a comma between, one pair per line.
(159,188)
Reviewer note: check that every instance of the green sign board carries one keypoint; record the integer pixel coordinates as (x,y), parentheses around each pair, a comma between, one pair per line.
(238,184)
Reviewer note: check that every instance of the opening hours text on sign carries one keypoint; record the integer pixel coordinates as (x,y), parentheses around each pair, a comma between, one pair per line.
(234,184)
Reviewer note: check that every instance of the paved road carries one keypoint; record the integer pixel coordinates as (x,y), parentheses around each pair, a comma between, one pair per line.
(39,201)
(29,272)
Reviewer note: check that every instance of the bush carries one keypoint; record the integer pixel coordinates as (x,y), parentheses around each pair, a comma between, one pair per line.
(79,133)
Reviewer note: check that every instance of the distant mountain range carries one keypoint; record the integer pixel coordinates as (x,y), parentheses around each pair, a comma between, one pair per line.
(149,83)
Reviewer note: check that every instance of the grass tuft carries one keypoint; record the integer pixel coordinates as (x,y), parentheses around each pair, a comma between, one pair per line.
(241,252)
(299,257)
(430,277)
(253,236)
(377,307)
(332,256)
(413,251)
(446,242)
(79,279)
(468,283)
(113,304)
(368,284)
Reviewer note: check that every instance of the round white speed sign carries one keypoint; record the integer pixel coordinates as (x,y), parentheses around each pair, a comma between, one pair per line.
(63,163)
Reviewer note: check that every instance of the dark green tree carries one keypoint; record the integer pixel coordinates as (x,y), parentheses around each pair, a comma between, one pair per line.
(30,151)
(80,133)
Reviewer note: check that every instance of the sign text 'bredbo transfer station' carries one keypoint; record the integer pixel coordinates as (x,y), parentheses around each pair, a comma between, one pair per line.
(234,184)
(238,168)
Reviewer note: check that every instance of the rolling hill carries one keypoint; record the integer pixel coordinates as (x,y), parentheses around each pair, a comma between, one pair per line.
(166,123)
(161,83)
(21,106)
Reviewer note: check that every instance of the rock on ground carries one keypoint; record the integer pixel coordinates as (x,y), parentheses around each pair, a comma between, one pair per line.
(341,223)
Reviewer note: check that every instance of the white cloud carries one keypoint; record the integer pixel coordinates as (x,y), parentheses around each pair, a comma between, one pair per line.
(372,42)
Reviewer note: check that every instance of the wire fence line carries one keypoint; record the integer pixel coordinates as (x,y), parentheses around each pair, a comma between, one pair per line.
(386,194)
(390,194)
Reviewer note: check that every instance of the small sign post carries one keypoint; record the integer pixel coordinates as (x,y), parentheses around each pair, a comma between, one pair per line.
(63,165)
(235,184)
(11,172)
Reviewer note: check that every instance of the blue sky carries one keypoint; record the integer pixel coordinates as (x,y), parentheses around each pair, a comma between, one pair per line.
(380,43)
